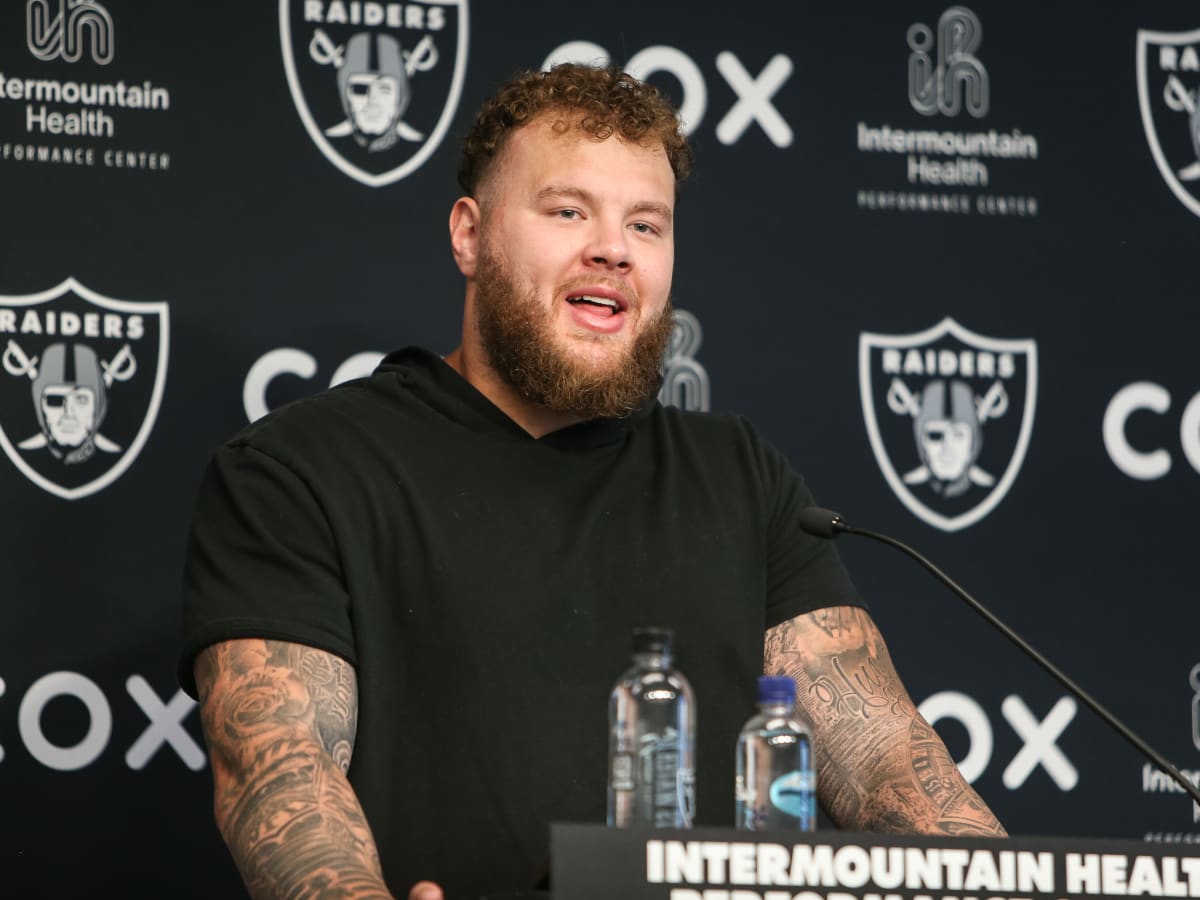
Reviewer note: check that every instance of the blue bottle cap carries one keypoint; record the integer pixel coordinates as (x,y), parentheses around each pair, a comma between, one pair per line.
(776,689)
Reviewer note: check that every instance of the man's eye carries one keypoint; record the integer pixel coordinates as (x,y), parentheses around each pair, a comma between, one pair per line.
(644,228)
(568,214)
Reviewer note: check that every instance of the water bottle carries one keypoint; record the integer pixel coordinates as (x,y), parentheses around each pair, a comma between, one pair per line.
(776,781)
(652,739)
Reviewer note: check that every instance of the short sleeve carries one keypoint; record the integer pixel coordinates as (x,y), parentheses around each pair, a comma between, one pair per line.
(804,573)
(261,561)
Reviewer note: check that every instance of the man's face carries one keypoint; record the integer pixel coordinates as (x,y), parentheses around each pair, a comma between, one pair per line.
(70,413)
(948,446)
(374,100)
(574,275)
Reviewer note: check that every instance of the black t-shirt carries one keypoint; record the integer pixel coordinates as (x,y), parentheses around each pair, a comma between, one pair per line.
(484,585)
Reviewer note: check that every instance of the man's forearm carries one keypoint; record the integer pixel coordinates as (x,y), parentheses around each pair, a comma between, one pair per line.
(280,721)
(298,831)
(881,767)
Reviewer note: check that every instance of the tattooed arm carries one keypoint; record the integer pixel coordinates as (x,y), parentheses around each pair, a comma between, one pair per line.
(279,720)
(880,766)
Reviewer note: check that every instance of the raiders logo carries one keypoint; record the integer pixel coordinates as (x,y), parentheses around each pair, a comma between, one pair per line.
(376,83)
(1168,75)
(949,414)
(81,380)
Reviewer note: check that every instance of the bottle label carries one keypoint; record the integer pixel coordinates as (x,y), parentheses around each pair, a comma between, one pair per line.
(685,797)
(622,772)
(795,794)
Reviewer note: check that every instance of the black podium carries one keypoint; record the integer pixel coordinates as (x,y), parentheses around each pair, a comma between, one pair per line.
(592,862)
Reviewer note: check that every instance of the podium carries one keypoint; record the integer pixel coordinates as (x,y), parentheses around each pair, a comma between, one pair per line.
(592,862)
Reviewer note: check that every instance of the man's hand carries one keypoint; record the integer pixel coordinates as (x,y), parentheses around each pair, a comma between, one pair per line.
(881,766)
(425,890)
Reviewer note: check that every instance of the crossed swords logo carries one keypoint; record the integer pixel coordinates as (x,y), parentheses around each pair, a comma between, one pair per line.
(122,367)
(1180,99)
(421,58)
(991,405)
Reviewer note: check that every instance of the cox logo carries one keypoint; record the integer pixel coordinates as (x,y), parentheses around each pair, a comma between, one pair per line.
(165,728)
(1148,464)
(754,93)
(1040,737)
(289,361)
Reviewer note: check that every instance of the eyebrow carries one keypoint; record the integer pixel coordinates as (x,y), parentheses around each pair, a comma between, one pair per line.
(642,206)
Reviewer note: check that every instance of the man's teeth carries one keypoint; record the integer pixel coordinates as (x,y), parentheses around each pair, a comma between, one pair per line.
(596,301)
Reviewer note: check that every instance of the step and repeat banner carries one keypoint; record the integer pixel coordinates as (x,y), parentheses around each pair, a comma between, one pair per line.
(944,256)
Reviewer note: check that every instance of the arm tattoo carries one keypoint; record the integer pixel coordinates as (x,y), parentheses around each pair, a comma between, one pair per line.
(881,766)
(279,720)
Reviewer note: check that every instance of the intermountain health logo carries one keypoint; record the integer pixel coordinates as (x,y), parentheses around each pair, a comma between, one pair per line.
(376,84)
(949,414)
(950,157)
(80,387)
(685,380)
(1168,76)
(74,109)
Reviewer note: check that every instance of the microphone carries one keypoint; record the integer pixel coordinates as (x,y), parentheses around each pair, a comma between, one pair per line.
(825,523)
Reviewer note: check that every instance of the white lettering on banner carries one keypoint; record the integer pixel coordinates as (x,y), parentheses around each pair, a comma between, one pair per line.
(754,94)
(289,361)
(754,99)
(165,726)
(1039,748)
(165,723)
(1153,464)
(945,362)
(1114,874)
(29,721)
(823,866)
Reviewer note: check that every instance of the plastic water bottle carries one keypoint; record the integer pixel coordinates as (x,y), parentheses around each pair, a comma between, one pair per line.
(652,739)
(776,780)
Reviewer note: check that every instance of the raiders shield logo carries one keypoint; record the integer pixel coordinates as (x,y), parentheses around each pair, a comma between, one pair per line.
(80,386)
(376,84)
(1168,75)
(949,414)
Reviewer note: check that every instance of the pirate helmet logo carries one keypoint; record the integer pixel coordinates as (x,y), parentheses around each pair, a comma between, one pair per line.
(375,85)
(1168,80)
(929,401)
(85,376)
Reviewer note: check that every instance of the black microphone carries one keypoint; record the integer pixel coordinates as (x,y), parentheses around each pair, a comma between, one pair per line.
(825,523)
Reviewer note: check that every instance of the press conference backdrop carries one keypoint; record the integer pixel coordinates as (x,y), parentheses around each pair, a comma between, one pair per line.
(943,256)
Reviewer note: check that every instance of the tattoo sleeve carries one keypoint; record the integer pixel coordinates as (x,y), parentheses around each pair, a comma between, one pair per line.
(279,720)
(880,766)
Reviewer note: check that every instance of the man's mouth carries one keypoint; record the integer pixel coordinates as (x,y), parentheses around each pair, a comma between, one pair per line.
(600,302)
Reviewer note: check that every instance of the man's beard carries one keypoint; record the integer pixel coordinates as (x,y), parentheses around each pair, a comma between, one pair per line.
(520,342)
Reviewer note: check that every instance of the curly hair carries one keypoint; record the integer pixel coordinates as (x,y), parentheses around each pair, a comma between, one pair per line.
(607,101)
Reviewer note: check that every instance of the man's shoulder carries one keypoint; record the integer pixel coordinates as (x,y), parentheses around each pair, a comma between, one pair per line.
(364,409)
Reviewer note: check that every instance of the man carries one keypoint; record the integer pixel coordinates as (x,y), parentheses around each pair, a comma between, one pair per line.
(408,597)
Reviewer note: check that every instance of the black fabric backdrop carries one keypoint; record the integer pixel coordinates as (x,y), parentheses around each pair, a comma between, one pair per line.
(229,234)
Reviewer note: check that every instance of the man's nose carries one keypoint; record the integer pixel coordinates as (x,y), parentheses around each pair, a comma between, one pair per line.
(608,247)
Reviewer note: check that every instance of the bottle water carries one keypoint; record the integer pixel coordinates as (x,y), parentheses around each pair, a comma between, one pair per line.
(776,780)
(652,739)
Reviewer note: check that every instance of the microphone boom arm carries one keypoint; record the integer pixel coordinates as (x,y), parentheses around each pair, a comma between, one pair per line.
(839,525)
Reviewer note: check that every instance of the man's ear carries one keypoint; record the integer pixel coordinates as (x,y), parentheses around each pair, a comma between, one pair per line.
(465,218)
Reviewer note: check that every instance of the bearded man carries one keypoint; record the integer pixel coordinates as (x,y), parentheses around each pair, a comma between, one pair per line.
(407,597)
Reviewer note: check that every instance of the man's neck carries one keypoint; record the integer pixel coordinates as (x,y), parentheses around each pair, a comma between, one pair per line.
(534,418)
